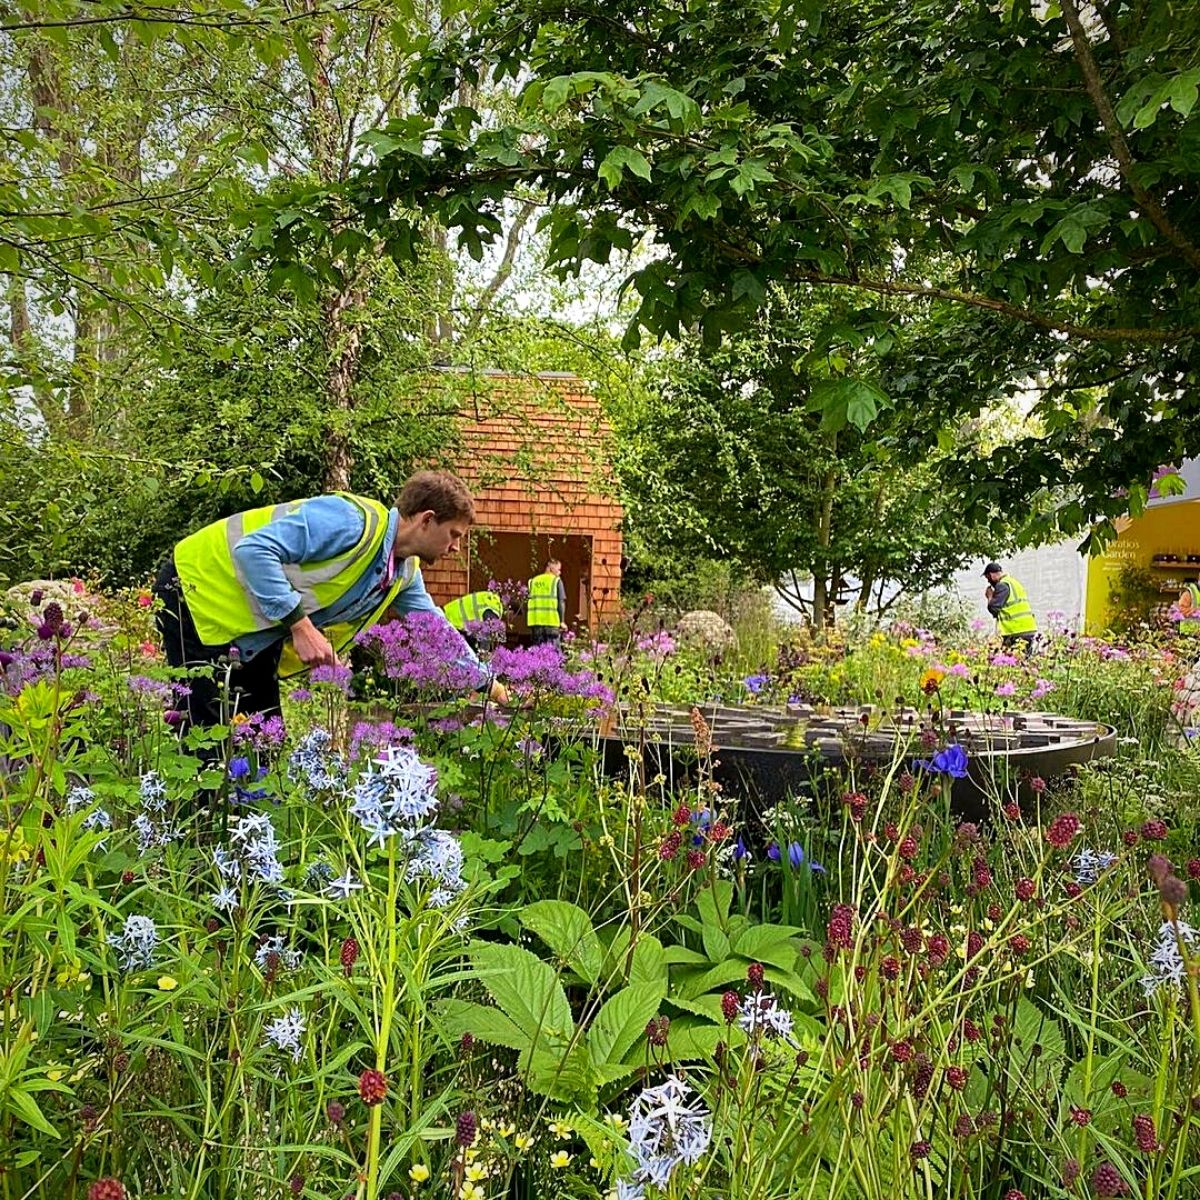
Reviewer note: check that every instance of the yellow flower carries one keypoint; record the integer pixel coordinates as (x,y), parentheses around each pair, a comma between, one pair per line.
(71,974)
(523,1141)
(418,1172)
(239,718)
(167,983)
(475,1173)
(505,1130)
(13,845)
(55,1073)
(594,1163)
(617,1121)
(471,1191)
(560,1159)
(931,680)
(561,1129)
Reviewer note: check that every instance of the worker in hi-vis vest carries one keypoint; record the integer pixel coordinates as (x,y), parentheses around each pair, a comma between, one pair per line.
(1189,610)
(468,613)
(296,581)
(546,608)
(1008,602)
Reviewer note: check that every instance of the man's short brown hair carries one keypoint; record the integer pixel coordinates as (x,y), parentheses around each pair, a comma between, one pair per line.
(439,492)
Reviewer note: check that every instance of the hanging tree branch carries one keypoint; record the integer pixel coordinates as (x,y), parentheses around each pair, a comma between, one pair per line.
(1117,140)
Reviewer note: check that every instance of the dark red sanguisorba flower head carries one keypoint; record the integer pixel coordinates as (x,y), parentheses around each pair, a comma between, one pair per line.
(106,1189)
(372,1086)
(1060,833)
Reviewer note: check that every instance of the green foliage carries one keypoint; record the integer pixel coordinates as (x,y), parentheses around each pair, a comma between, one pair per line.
(533,1015)
(874,150)
(780,451)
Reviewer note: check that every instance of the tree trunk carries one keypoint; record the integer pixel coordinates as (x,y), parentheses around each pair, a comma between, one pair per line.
(870,572)
(821,565)
(343,346)
(25,347)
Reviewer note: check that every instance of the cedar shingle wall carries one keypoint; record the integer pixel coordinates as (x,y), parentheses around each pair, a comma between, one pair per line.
(537,461)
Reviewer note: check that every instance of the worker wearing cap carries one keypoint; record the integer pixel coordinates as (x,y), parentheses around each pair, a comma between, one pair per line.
(1008,602)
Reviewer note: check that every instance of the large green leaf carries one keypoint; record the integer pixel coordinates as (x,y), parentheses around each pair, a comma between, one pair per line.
(847,401)
(649,962)
(526,988)
(622,1021)
(568,931)
(693,1037)
(488,1024)
(562,1072)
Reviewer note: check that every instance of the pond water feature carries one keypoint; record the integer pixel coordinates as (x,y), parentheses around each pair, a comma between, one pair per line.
(762,753)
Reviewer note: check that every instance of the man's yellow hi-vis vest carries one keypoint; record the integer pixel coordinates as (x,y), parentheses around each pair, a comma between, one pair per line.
(473,607)
(1016,616)
(223,607)
(541,609)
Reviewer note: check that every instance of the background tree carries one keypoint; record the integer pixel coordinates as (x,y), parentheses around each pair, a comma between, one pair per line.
(1028,170)
(781,451)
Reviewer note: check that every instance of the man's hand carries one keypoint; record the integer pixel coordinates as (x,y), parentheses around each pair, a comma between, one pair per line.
(313,648)
(498,693)
(989,592)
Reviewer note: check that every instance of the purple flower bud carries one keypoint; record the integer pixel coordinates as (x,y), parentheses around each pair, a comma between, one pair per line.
(35,597)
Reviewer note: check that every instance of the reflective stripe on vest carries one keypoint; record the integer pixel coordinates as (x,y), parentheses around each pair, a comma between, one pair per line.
(1016,616)
(342,634)
(476,606)
(216,590)
(542,607)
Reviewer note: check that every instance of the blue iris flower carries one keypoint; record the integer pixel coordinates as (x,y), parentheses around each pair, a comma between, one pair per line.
(952,761)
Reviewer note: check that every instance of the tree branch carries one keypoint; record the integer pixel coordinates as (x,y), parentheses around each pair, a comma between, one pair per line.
(166,16)
(504,270)
(1116,138)
(888,287)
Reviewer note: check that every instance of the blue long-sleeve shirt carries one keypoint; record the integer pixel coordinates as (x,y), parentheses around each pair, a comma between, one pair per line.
(320,529)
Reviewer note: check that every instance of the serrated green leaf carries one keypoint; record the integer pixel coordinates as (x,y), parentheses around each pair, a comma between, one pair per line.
(526,989)
(568,931)
(622,1020)
(488,1024)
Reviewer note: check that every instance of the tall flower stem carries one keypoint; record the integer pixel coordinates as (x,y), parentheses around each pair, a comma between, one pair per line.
(384,1029)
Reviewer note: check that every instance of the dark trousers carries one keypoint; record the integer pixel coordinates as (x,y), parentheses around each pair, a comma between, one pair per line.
(253,686)
(1022,640)
(545,633)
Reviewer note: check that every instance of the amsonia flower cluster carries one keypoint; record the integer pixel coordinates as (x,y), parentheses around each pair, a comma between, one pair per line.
(668,1128)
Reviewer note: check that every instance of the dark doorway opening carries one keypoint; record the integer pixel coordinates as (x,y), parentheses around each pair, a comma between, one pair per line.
(520,556)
